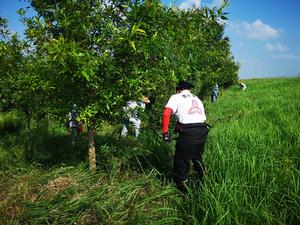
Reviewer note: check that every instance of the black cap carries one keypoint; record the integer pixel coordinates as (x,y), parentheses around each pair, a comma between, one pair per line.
(184,85)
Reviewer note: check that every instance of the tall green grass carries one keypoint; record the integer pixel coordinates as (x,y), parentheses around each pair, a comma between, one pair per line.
(252,159)
(252,154)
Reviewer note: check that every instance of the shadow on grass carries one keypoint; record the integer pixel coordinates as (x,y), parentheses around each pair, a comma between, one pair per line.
(56,149)
(148,152)
(113,153)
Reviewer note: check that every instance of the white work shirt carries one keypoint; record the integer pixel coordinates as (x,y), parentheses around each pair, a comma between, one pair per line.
(187,107)
(132,106)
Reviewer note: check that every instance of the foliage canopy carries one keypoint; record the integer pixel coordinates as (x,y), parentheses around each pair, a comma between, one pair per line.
(100,54)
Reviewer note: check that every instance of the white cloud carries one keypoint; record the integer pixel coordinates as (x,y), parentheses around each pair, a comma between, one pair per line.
(216,3)
(256,30)
(189,4)
(289,57)
(249,61)
(197,3)
(276,47)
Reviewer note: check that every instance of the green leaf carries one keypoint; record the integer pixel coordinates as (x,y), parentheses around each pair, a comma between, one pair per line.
(141,31)
(85,75)
(133,45)
(21,11)
(155,35)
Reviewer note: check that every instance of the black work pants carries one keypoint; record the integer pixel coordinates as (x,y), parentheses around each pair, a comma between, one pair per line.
(189,147)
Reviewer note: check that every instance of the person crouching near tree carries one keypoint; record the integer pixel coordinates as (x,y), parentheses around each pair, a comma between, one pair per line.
(190,116)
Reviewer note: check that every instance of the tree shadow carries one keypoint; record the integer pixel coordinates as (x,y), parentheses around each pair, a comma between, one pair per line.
(148,153)
(51,149)
(121,154)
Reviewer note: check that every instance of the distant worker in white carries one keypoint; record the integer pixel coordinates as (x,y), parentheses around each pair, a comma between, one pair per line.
(242,86)
(73,124)
(214,93)
(131,111)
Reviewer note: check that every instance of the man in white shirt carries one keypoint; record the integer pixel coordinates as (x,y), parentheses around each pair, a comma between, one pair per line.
(73,124)
(132,113)
(190,116)
(214,93)
(242,86)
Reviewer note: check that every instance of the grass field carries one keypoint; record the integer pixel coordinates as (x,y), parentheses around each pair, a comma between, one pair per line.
(252,157)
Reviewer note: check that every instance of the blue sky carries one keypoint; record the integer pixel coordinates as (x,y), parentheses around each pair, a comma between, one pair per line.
(264,34)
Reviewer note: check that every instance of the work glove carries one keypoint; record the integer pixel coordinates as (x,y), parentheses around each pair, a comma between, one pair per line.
(167,137)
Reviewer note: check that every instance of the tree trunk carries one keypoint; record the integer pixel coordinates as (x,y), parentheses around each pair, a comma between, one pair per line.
(91,148)
(29,145)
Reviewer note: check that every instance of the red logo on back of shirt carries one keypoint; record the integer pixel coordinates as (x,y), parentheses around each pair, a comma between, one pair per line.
(194,108)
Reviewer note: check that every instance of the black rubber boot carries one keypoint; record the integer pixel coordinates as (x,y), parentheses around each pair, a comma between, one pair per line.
(182,186)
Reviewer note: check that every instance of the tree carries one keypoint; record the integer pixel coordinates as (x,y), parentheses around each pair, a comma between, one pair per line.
(99,54)
(82,44)
(21,86)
